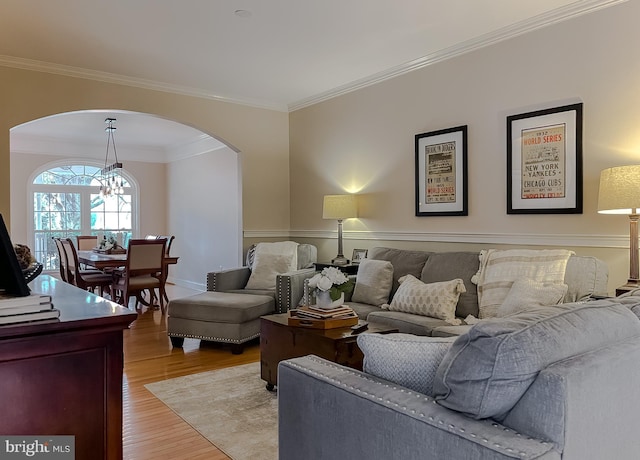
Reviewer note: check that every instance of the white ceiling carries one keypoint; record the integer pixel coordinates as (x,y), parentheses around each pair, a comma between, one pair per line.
(278,54)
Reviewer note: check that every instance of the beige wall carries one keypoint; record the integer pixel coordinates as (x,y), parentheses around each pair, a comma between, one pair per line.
(364,141)
(203,205)
(260,135)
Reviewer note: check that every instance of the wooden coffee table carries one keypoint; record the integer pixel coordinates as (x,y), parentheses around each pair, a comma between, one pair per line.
(279,341)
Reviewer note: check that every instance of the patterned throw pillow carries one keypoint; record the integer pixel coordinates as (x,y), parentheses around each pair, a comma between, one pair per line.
(526,294)
(437,300)
(405,359)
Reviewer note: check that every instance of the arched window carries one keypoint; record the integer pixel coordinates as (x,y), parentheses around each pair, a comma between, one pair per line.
(67,202)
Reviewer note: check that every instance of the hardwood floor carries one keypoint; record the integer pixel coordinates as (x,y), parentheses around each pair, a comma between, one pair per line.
(151,430)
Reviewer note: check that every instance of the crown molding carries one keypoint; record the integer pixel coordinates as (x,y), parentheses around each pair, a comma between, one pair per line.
(573,10)
(537,22)
(519,239)
(106,77)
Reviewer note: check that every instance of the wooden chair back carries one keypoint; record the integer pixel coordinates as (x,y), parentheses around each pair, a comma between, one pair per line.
(169,242)
(145,257)
(88,280)
(62,257)
(87,242)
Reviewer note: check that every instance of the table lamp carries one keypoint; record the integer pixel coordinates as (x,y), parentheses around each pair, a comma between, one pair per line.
(339,207)
(620,194)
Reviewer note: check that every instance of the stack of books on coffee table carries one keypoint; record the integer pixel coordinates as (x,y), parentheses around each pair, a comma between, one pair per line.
(322,318)
(34,307)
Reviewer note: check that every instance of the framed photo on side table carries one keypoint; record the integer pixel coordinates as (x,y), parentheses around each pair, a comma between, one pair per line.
(441,172)
(544,161)
(358,255)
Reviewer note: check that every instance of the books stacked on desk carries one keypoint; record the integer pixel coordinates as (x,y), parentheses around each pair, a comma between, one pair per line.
(34,307)
(314,312)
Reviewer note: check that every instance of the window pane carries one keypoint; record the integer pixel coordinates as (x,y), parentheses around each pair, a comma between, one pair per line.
(58,210)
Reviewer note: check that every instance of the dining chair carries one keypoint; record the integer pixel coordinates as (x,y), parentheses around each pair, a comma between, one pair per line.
(88,280)
(144,270)
(167,253)
(62,258)
(87,242)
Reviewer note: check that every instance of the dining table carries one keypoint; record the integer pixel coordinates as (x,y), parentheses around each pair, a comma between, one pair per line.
(103,261)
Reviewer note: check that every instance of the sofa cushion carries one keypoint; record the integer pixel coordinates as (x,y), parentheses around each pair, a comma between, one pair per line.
(405,359)
(443,266)
(437,300)
(270,260)
(404,262)
(406,322)
(500,268)
(585,276)
(526,293)
(487,370)
(373,283)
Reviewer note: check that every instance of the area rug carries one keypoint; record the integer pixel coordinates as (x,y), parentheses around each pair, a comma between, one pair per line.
(230,407)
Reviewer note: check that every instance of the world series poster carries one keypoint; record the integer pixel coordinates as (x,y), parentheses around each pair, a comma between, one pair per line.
(441,172)
(544,161)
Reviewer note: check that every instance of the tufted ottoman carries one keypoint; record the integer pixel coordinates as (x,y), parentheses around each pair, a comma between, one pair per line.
(218,317)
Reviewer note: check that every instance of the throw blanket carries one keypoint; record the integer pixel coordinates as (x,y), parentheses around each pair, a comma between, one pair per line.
(499,269)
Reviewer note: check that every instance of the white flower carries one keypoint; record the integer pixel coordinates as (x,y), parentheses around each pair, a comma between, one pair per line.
(329,277)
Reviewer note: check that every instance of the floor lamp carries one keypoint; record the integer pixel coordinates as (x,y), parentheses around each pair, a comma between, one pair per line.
(339,207)
(620,194)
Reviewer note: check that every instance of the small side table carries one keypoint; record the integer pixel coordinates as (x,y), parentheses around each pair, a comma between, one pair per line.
(626,288)
(349,269)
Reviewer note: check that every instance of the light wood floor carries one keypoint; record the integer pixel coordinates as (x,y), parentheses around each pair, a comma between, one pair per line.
(151,430)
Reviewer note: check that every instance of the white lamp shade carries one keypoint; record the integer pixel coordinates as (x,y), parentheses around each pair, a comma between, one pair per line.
(339,207)
(619,190)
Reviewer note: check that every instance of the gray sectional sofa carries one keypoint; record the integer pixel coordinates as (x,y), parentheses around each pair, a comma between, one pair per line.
(585,276)
(550,383)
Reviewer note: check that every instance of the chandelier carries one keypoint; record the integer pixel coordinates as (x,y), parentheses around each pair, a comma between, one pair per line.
(111,180)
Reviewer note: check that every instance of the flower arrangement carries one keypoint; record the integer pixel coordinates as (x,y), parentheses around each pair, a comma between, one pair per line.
(333,280)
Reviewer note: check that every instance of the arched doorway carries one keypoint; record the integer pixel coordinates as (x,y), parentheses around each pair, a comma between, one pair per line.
(189,182)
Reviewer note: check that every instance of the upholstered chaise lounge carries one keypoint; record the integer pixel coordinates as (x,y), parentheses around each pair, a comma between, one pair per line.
(229,310)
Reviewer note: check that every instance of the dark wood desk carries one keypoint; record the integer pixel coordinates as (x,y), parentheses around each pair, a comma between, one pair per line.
(64,377)
(279,341)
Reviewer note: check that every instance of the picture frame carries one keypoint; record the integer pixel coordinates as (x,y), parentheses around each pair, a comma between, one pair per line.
(12,281)
(441,172)
(544,161)
(358,255)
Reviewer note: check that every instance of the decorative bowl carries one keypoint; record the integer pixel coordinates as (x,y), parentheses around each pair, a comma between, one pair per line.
(32,271)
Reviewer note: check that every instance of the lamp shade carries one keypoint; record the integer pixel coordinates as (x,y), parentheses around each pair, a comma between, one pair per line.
(619,190)
(339,207)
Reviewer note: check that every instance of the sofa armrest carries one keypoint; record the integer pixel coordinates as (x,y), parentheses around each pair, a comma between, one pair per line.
(290,288)
(326,409)
(227,280)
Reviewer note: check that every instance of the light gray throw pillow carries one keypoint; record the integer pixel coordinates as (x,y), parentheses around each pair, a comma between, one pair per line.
(405,359)
(527,293)
(488,369)
(373,282)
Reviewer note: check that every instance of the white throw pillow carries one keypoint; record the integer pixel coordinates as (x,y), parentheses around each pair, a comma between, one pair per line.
(270,260)
(405,359)
(500,268)
(373,282)
(437,300)
(527,293)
